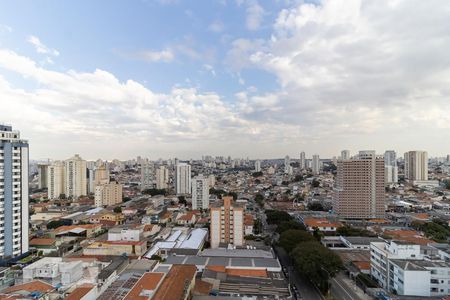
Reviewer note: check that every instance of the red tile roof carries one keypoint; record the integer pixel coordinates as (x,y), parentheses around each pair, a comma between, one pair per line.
(148,282)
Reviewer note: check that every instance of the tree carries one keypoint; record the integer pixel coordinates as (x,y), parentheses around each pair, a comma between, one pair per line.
(182,200)
(447,184)
(259,199)
(257,174)
(117,209)
(154,192)
(315,183)
(316,262)
(315,206)
(291,224)
(298,178)
(233,194)
(58,223)
(126,199)
(347,230)
(277,216)
(290,239)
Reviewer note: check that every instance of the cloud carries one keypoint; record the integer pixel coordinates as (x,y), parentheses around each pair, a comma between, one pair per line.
(5,28)
(40,47)
(255,13)
(216,26)
(165,55)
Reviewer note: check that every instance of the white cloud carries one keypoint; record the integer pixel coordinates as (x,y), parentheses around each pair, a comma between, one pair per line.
(255,15)
(40,47)
(216,26)
(5,28)
(165,55)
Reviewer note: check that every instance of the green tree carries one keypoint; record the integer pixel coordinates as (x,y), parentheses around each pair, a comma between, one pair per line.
(259,199)
(182,200)
(290,239)
(257,174)
(315,206)
(315,183)
(291,224)
(277,216)
(117,209)
(316,262)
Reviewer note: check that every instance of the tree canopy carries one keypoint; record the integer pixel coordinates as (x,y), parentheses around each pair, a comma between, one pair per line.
(289,239)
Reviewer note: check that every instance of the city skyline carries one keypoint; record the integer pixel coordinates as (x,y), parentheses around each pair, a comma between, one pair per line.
(257,78)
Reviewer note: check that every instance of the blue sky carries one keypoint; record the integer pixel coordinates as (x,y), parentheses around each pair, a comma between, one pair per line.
(165,78)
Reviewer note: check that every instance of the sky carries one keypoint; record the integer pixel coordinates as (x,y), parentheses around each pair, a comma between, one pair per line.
(246,78)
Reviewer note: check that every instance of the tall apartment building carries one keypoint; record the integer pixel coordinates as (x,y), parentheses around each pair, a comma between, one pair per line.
(359,191)
(183,178)
(101,173)
(227,224)
(146,176)
(108,194)
(315,166)
(416,165)
(287,165)
(55,177)
(302,160)
(162,177)
(390,165)
(345,154)
(75,177)
(257,165)
(42,176)
(13,193)
(200,192)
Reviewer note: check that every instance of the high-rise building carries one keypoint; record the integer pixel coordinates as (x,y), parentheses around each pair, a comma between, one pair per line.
(101,174)
(345,154)
(200,192)
(183,178)
(302,160)
(390,165)
(257,165)
(287,165)
(416,165)
(42,176)
(146,176)
(227,224)
(108,194)
(55,178)
(360,182)
(75,177)
(13,193)
(162,177)
(211,180)
(315,166)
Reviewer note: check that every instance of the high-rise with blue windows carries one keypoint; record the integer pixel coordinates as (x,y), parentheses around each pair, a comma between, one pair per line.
(13,193)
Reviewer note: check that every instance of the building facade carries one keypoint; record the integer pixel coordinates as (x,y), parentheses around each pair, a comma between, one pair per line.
(360,187)
(162,177)
(200,192)
(14,212)
(227,224)
(315,165)
(183,178)
(390,165)
(108,194)
(416,165)
(257,165)
(42,176)
(56,185)
(146,176)
(345,154)
(75,177)
(302,160)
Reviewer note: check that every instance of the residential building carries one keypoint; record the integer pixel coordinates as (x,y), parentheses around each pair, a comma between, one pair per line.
(55,179)
(409,269)
(287,165)
(13,193)
(360,187)
(416,165)
(200,192)
(315,164)
(227,224)
(345,154)
(75,177)
(257,165)
(302,160)
(183,178)
(101,174)
(42,176)
(146,176)
(162,177)
(390,165)
(211,181)
(108,194)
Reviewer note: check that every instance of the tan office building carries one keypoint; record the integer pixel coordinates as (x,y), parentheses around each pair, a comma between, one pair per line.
(416,165)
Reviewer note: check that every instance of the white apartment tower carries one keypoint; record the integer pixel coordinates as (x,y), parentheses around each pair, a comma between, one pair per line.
(75,177)
(227,224)
(200,192)
(13,193)
(345,154)
(55,178)
(162,177)
(183,178)
(315,166)
(302,160)
(359,191)
(146,176)
(287,165)
(416,165)
(390,165)
(257,165)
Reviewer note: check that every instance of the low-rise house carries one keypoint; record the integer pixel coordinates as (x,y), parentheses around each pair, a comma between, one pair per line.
(129,248)
(46,245)
(85,230)
(248,224)
(322,224)
(188,218)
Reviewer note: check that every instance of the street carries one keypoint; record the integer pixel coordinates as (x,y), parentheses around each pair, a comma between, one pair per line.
(343,289)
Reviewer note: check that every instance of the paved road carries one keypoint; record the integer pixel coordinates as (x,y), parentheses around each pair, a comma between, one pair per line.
(305,287)
(342,291)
